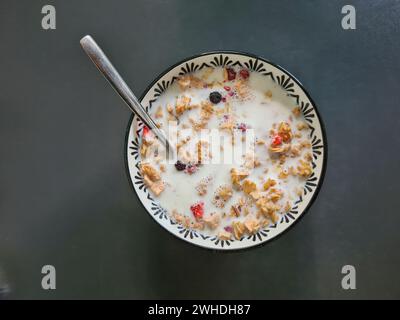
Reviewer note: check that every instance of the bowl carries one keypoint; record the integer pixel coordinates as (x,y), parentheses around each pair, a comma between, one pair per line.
(292,87)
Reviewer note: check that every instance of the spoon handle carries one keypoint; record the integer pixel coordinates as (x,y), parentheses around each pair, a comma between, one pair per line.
(105,66)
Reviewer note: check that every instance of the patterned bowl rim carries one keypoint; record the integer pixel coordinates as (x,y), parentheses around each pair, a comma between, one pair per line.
(314,107)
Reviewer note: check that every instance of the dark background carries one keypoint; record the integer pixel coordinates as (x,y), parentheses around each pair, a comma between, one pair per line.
(65,199)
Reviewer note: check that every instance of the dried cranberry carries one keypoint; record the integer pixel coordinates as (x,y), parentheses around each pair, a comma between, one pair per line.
(198,209)
(228,229)
(277,140)
(215,97)
(191,168)
(180,166)
(227,88)
(242,126)
(231,74)
(244,73)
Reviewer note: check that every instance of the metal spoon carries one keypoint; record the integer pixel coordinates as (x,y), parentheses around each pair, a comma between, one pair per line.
(111,74)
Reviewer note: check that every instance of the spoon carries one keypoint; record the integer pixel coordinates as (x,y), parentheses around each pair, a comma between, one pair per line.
(105,66)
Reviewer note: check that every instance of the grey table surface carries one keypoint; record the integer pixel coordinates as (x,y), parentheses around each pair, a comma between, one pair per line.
(65,199)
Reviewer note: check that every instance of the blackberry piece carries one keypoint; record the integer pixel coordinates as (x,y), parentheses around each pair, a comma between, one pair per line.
(180,166)
(215,97)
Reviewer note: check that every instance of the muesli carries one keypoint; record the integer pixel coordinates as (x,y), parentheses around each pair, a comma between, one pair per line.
(256,123)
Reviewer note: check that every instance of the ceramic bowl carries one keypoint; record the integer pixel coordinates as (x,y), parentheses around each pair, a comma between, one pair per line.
(291,86)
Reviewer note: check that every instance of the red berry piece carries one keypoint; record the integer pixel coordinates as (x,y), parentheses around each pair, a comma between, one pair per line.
(231,74)
(227,88)
(244,73)
(242,126)
(228,229)
(198,209)
(215,97)
(276,140)
(191,168)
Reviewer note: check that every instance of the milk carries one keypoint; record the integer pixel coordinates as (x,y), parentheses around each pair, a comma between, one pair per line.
(260,113)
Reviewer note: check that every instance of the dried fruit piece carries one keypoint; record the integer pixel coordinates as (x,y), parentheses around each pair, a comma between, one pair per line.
(231,74)
(197,209)
(191,168)
(145,130)
(215,97)
(242,126)
(228,229)
(244,73)
(180,166)
(249,186)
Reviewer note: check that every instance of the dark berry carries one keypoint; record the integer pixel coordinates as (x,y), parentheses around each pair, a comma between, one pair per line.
(231,74)
(145,130)
(244,73)
(180,166)
(242,127)
(215,97)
